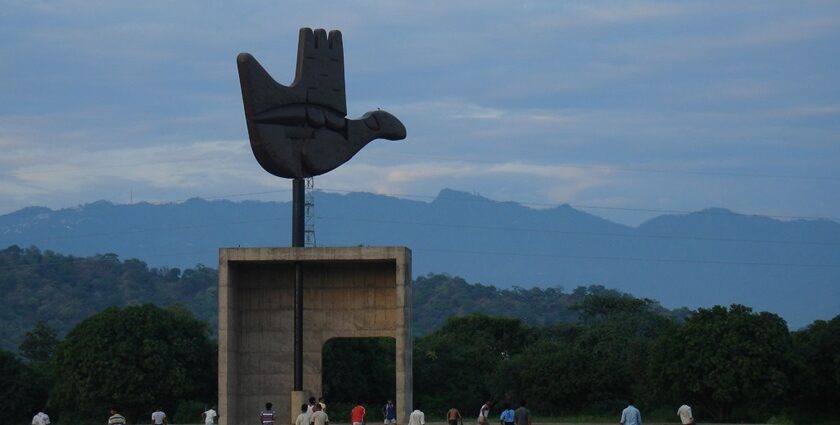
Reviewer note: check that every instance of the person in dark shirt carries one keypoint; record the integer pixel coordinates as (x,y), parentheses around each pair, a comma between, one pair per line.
(267,415)
(522,416)
(389,412)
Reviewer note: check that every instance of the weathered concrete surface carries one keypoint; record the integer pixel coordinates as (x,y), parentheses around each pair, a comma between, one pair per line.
(348,292)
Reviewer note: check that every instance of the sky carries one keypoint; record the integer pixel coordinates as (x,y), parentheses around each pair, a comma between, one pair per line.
(624,109)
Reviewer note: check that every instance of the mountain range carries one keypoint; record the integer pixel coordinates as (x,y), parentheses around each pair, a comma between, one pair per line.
(713,256)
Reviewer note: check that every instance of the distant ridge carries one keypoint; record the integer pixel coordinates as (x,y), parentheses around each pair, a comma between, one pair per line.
(714,256)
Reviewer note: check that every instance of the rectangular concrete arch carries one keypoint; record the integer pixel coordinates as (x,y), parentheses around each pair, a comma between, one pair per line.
(348,292)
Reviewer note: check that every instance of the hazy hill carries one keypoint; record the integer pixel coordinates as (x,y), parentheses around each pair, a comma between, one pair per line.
(709,257)
(62,290)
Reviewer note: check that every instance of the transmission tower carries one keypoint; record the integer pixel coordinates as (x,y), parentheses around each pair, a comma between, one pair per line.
(309,213)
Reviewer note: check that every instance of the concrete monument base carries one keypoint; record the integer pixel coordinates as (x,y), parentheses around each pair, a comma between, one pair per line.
(348,292)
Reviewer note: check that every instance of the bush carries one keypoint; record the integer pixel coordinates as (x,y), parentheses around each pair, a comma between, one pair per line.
(189,412)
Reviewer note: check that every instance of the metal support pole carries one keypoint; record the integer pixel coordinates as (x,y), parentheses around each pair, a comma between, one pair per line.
(298,212)
(298,241)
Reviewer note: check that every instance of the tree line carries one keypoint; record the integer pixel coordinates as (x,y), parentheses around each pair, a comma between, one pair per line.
(578,353)
(729,363)
(61,290)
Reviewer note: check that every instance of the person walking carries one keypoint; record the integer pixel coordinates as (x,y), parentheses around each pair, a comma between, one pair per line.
(453,417)
(310,409)
(684,412)
(357,415)
(41,418)
(210,416)
(323,404)
(303,417)
(417,418)
(267,415)
(506,418)
(484,413)
(116,418)
(631,415)
(522,416)
(389,412)
(319,417)
(158,417)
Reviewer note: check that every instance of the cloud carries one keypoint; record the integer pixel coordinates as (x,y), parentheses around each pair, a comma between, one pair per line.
(559,182)
(165,166)
(479,113)
(631,12)
(806,111)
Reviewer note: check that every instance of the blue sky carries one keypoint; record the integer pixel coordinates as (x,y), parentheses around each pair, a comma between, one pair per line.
(630,105)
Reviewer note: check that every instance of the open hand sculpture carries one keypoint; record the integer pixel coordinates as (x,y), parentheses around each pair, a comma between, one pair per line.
(302,130)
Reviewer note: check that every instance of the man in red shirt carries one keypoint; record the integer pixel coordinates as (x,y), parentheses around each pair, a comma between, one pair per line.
(357,415)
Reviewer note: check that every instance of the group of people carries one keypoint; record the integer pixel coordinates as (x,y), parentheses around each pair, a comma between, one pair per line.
(509,416)
(115,418)
(315,413)
(631,415)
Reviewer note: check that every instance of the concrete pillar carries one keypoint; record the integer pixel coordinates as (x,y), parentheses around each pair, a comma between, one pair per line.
(348,292)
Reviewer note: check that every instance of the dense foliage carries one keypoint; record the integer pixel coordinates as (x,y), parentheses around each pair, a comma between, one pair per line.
(816,379)
(39,343)
(359,369)
(136,358)
(22,389)
(726,359)
(730,364)
(61,290)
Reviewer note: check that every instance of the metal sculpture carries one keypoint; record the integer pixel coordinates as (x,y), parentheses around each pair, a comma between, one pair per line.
(301,130)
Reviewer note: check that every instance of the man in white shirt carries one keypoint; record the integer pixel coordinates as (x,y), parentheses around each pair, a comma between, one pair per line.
(210,416)
(484,413)
(684,412)
(630,415)
(319,417)
(158,417)
(303,417)
(416,418)
(310,409)
(41,418)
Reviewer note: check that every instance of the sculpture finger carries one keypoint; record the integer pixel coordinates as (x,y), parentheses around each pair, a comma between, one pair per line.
(320,69)
(321,39)
(260,92)
(336,45)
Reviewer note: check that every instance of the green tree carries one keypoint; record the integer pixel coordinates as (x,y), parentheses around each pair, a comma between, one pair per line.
(136,358)
(459,362)
(725,360)
(594,366)
(39,343)
(598,307)
(547,373)
(22,390)
(359,369)
(816,392)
